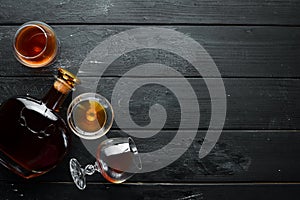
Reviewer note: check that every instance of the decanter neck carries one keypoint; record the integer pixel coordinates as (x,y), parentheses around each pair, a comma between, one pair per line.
(55,97)
(64,83)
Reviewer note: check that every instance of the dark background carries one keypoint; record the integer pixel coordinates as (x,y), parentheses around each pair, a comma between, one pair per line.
(256,46)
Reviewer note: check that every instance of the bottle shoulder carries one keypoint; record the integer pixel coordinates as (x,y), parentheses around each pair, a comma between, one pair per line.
(33,105)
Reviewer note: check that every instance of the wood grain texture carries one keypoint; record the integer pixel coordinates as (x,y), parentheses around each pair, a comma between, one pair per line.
(255,45)
(166,11)
(237,51)
(47,191)
(239,156)
(251,103)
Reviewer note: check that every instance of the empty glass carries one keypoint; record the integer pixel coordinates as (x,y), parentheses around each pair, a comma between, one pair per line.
(90,116)
(117,160)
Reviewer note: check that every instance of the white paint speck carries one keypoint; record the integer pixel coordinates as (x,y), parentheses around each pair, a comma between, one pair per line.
(191,196)
(95,62)
(119,102)
(102,7)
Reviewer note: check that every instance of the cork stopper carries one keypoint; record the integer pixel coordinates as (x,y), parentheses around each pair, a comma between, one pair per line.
(66,81)
(68,77)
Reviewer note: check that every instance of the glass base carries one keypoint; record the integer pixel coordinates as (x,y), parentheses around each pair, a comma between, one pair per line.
(77,174)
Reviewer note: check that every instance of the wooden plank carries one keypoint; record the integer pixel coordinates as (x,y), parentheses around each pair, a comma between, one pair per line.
(168,11)
(47,191)
(239,156)
(251,103)
(237,51)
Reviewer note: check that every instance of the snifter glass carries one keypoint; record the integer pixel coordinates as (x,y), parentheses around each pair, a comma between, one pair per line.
(35,44)
(117,160)
(90,115)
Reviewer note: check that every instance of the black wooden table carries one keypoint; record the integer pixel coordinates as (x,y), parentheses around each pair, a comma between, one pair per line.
(256,47)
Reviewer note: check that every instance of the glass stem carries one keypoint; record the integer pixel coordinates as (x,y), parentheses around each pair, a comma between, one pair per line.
(90,169)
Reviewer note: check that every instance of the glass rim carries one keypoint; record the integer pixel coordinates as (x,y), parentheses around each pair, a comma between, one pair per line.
(37,25)
(108,109)
(137,158)
(132,148)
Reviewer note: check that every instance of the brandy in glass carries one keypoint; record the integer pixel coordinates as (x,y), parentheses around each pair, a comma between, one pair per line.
(35,44)
(33,137)
(117,160)
(90,115)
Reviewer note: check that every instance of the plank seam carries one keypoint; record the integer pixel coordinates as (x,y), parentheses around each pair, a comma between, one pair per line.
(161,24)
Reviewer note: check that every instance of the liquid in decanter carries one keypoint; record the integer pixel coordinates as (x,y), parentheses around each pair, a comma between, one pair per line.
(33,137)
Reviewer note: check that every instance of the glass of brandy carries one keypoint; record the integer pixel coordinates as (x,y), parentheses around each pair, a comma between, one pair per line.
(35,44)
(90,115)
(117,160)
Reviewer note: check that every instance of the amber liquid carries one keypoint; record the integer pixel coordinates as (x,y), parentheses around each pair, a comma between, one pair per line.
(116,165)
(33,138)
(36,45)
(89,116)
